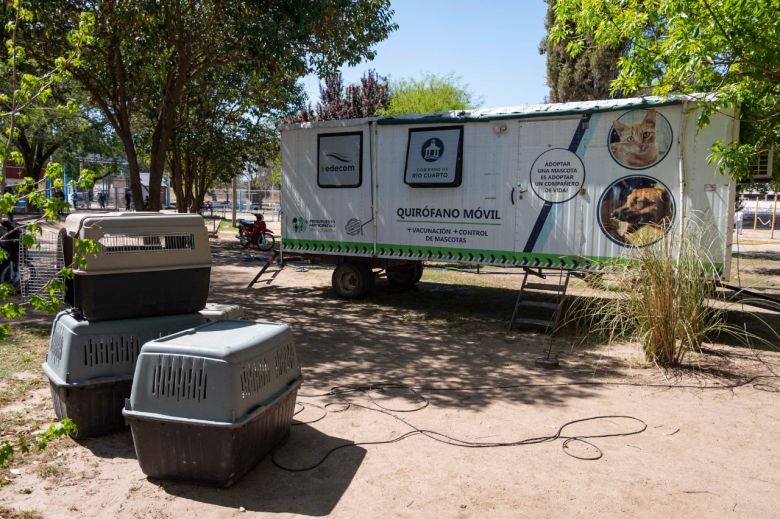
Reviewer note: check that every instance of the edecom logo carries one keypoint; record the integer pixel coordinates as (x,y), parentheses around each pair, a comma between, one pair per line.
(338,168)
(339,159)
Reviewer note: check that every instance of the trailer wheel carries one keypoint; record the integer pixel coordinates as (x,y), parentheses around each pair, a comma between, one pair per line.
(352,280)
(418,275)
(405,276)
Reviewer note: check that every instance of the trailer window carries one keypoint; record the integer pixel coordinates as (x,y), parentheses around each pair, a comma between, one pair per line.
(340,159)
(434,157)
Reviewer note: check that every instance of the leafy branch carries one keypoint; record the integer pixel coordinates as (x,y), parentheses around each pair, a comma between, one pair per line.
(26,441)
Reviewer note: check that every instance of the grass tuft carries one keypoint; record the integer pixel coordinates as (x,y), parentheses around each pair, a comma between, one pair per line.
(665,298)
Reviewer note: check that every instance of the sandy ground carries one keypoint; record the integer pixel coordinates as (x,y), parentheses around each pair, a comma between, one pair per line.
(705,452)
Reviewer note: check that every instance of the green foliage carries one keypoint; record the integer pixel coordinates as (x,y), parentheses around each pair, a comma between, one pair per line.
(581,77)
(730,48)
(86,179)
(225,127)
(53,207)
(24,85)
(29,105)
(45,129)
(430,94)
(276,171)
(10,310)
(149,59)
(81,249)
(25,442)
(30,101)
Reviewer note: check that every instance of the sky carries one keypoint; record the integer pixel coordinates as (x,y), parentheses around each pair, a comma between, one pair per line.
(491,45)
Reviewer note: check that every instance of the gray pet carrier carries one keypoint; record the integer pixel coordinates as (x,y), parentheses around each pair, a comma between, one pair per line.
(148,264)
(90,365)
(207,404)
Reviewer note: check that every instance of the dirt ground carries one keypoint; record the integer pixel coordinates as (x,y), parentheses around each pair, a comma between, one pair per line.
(705,452)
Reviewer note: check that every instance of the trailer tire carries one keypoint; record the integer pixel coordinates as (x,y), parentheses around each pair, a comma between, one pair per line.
(418,275)
(352,280)
(405,276)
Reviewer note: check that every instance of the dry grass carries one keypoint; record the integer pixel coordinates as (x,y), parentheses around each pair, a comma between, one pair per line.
(22,351)
(8,513)
(663,299)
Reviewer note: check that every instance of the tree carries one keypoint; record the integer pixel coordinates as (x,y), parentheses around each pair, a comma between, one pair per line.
(363,99)
(730,48)
(224,126)
(25,88)
(147,56)
(432,93)
(582,77)
(276,171)
(65,119)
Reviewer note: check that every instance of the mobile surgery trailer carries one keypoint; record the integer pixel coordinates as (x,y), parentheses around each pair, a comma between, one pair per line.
(564,186)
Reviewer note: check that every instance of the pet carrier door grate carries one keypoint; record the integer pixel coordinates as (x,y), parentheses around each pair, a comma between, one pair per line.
(178,377)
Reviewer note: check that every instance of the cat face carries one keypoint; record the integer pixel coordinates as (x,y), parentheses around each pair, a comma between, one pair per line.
(637,145)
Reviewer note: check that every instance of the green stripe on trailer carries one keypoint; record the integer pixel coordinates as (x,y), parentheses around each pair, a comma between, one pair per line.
(473,256)
(327,247)
(476,256)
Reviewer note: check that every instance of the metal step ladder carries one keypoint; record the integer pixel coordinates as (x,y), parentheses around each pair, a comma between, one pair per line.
(528,301)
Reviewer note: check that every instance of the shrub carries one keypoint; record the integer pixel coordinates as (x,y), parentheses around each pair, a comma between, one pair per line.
(664,296)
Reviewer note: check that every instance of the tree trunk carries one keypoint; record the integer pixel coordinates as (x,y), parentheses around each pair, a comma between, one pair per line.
(157,167)
(133,170)
(201,185)
(35,154)
(161,138)
(117,113)
(189,182)
(172,94)
(177,178)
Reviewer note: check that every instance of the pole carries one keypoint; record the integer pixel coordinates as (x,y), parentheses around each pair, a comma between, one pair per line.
(75,189)
(774,217)
(755,216)
(233,205)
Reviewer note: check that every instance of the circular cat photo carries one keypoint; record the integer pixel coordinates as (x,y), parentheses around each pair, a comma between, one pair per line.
(640,139)
(636,211)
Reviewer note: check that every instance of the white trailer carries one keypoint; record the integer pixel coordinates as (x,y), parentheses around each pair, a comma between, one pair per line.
(558,186)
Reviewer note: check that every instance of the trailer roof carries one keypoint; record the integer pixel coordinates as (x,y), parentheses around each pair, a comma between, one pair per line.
(511,112)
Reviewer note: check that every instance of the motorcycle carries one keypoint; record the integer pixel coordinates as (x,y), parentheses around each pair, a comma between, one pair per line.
(255,233)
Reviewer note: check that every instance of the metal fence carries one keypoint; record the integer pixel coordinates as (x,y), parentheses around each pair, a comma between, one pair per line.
(41,263)
(247,200)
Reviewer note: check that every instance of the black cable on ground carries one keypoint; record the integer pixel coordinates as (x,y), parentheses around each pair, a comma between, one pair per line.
(345,404)
(343,392)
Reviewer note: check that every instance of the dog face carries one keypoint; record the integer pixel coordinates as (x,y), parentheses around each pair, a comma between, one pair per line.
(644,206)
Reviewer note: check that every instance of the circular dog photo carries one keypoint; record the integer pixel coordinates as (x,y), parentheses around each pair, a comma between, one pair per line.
(640,139)
(636,211)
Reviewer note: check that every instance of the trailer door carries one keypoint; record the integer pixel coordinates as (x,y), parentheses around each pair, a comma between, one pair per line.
(550,178)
